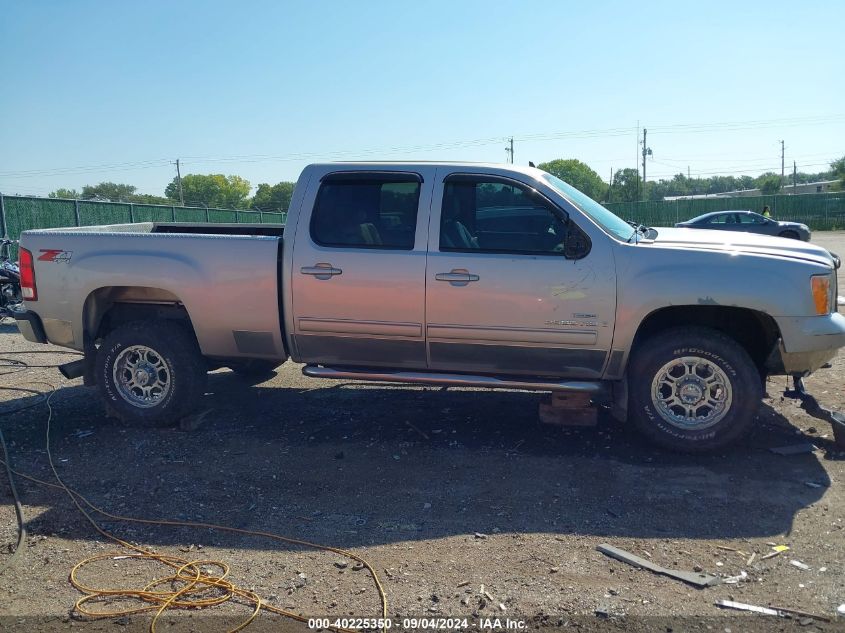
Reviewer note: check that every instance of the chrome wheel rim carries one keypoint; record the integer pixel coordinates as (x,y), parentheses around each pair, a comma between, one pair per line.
(141,376)
(691,393)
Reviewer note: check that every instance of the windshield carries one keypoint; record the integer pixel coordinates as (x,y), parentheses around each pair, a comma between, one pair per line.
(601,216)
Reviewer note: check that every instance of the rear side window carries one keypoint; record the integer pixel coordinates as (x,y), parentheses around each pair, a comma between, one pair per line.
(371,213)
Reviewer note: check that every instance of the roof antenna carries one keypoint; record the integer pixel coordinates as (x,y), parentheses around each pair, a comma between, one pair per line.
(531,163)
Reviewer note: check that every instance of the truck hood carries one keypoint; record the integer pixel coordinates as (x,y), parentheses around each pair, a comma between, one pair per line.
(740,242)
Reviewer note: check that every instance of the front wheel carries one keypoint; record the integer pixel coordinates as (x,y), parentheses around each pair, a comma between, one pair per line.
(693,389)
(790,235)
(150,372)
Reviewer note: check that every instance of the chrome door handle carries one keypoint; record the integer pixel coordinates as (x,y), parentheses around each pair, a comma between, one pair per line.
(321,270)
(457,277)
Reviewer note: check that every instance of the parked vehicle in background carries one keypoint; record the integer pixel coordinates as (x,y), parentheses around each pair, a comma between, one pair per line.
(442,274)
(749,222)
(10,280)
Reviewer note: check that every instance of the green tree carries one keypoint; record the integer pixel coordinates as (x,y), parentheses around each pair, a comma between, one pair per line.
(273,198)
(837,170)
(625,185)
(110,191)
(577,174)
(145,198)
(769,184)
(64,193)
(212,190)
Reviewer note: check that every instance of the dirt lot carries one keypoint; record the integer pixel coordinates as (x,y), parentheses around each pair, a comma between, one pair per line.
(441,491)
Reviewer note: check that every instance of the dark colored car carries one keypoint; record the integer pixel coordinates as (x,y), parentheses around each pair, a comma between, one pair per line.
(747,221)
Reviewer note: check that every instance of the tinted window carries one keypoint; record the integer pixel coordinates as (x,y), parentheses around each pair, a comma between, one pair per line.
(725,218)
(498,217)
(751,218)
(366,214)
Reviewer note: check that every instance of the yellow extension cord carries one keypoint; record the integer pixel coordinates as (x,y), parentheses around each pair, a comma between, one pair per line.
(199,588)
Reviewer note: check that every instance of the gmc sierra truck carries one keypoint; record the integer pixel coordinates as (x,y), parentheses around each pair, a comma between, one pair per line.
(446,274)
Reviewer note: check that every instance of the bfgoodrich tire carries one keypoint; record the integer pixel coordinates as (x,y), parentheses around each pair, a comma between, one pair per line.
(150,372)
(693,389)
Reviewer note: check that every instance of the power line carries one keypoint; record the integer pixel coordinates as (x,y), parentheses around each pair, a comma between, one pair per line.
(677,128)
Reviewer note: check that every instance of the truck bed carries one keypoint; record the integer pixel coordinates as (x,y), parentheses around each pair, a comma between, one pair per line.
(225,276)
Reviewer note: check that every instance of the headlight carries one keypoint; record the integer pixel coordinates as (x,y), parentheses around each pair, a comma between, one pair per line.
(820,285)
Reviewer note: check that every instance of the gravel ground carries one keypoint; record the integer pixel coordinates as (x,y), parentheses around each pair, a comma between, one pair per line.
(443,492)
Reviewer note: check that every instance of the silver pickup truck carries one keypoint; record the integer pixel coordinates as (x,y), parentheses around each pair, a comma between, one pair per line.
(447,274)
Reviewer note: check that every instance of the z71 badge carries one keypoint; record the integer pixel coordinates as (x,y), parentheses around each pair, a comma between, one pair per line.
(55,255)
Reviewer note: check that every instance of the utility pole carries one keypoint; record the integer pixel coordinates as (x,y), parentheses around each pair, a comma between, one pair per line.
(794,177)
(637,162)
(646,152)
(509,151)
(782,148)
(179,181)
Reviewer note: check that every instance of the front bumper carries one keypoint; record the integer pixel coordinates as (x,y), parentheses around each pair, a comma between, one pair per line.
(30,326)
(806,343)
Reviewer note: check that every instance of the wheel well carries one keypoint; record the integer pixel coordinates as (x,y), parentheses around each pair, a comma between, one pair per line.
(756,331)
(110,307)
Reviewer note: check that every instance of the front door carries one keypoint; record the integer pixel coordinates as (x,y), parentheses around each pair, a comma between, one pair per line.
(501,296)
(359,270)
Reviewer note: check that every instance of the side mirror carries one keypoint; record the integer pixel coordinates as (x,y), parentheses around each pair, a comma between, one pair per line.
(577,244)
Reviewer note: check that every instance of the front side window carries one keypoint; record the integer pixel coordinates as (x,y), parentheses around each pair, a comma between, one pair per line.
(492,216)
(372,213)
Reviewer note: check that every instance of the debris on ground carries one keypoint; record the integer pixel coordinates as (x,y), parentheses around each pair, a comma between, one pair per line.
(730,604)
(795,449)
(697,579)
(733,580)
(799,564)
(802,614)
(777,550)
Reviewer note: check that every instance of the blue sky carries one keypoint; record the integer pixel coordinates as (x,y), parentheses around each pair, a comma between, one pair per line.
(102,90)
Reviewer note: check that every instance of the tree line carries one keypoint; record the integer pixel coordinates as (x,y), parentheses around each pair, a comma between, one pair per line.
(627,184)
(199,190)
(233,192)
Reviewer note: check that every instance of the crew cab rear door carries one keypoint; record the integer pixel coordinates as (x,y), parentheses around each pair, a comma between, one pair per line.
(358,276)
(502,297)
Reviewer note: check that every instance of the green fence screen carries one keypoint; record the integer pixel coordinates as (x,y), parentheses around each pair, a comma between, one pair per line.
(821,212)
(20,213)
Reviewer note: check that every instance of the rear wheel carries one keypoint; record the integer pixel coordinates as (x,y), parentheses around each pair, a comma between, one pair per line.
(150,372)
(693,389)
(792,235)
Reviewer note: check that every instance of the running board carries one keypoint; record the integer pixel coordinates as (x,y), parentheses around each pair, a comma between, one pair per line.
(454,380)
